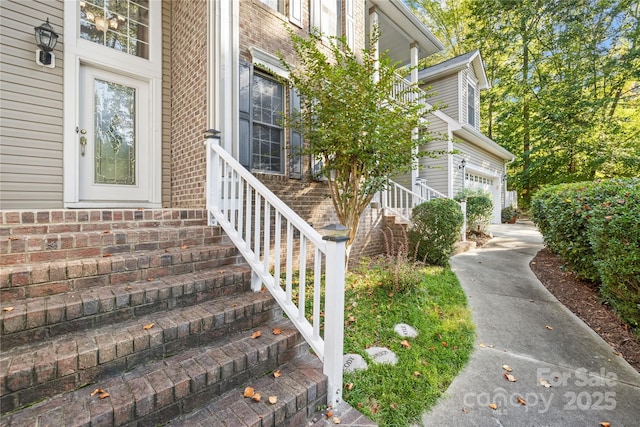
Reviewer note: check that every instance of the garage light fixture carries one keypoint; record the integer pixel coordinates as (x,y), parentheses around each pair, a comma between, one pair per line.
(46,40)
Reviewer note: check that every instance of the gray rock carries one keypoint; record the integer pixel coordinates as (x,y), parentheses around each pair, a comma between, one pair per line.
(382,355)
(406,331)
(353,362)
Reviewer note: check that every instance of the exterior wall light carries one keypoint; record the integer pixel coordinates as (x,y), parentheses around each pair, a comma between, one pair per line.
(46,40)
(462,164)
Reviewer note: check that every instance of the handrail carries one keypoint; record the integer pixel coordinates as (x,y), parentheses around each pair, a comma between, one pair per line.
(400,201)
(276,242)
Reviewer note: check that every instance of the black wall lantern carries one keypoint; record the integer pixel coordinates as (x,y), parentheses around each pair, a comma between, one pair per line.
(46,40)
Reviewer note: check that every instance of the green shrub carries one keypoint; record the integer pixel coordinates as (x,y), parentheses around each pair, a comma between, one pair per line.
(614,235)
(479,208)
(435,230)
(507,213)
(595,228)
(559,212)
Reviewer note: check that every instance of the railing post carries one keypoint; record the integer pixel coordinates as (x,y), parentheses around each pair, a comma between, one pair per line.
(463,206)
(334,316)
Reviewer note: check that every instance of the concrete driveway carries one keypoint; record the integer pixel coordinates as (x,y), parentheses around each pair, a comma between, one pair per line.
(565,374)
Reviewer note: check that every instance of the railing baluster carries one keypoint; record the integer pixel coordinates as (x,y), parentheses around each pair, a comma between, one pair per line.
(241,193)
(289,266)
(317,284)
(256,227)
(302,277)
(277,248)
(234,206)
(267,235)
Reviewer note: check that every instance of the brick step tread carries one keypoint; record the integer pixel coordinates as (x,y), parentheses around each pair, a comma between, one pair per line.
(82,357)
(163,390)
(120,218)
(299,391)
(48,278)
(32,248)
(40,318)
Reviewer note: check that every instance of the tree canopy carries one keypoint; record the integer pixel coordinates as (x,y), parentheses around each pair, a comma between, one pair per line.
(565,78)
(356,118)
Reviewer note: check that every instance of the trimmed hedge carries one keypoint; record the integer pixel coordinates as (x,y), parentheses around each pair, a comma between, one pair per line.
(595,228)
(435,229)
(479,208)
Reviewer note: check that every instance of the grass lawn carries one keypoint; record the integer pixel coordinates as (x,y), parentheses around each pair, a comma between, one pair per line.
(436,307)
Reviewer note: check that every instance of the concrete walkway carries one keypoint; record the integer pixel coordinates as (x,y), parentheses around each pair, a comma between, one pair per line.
(520,324)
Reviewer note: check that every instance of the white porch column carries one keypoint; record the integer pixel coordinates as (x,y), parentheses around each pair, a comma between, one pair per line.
(414,134)
(374,26)
(222,71)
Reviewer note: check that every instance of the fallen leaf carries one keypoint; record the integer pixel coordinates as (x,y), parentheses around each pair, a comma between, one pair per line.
(394,406)
(549,327)
(221,271)
(256,334)
(416,374)
(276,331)
(273,400)
(256,397)
(336,420)
(7,309)
(352,318)
(329,414)
(13,238)
(349,386)
(277,373)
(605,424)
(234,305)
(104,395)
(444,343)
(464,410)
(151,279)
(507,368)
(106,255)
(545,383)
(107,231)
(493,406)
(617,353)
(481,345)
(406,344)
(510,377)
(96,391)
(249,392)
(128,288)
(521,401)
(147,327)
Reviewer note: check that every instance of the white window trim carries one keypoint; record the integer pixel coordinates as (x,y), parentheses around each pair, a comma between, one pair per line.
(268,62)
(77,51)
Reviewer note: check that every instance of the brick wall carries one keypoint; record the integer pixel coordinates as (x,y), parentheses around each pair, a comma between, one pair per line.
(189,102)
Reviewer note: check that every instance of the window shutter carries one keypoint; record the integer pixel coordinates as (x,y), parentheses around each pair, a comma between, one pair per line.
(295,139)
(295,12)
(349,30)
(244,101)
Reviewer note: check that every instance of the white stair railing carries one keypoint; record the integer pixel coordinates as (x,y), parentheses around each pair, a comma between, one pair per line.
(400,201)
(277,243)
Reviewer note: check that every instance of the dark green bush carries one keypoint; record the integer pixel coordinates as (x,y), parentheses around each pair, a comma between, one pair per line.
(559,212)
(507,214)
(595,227)
(435,230)
(479,208)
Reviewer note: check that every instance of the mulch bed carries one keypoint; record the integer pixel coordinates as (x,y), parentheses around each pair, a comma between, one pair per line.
(582,299)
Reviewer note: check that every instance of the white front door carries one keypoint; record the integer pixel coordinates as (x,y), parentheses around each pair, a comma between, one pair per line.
(114,138)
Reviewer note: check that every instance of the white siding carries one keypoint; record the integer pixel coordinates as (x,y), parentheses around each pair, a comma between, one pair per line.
(30,109)
(434,170)
(445,91)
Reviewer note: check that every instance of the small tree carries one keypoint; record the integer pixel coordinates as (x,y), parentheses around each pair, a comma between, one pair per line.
(354,119)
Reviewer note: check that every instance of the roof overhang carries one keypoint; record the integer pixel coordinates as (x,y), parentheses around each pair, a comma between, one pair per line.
(474,136)
(399,29)
(453,65)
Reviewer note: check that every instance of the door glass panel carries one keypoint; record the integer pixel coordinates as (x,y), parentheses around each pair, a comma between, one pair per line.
(122,25)
(115,136)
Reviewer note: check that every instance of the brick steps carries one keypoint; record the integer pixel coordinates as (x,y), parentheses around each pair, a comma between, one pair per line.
(27,373)
(77,289)
(300,390)
(50,278)
(156,393)
(42,318)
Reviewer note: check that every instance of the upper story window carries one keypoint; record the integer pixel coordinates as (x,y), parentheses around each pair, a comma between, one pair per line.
(275,4)
(326,17)
(471,105)
(122,25)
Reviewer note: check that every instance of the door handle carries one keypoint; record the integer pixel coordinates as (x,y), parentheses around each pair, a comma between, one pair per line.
(83,141)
